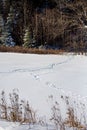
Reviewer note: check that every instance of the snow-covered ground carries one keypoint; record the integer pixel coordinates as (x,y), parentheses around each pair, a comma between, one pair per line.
(4,125)
(39,76)
(16,126)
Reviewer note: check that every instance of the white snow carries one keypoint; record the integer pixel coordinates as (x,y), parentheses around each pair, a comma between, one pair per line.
(4,125)
(1,128)
(16,126)
(39,76)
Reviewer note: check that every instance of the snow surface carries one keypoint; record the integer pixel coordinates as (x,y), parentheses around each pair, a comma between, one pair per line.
(16,126)
(39,76)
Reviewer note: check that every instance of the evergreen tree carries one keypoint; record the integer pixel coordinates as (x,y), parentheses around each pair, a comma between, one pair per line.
(9,28)
(27,39)
(50,20)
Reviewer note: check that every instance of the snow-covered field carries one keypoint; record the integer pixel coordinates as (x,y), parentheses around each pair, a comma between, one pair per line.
(39,76)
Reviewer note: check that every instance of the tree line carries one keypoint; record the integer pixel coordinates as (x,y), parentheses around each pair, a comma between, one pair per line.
(60,24)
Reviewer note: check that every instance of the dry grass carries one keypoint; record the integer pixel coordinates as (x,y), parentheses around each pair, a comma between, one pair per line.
(75,117)
(19,49)
(17,110)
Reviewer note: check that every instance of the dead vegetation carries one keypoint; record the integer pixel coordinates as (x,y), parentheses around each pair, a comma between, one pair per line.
(19,49)
(75,114)
(15,109)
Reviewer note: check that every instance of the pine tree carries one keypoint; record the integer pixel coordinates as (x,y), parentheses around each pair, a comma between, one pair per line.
(27,39)
(9,28)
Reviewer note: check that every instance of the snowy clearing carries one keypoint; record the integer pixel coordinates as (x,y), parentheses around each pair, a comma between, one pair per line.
(39,76)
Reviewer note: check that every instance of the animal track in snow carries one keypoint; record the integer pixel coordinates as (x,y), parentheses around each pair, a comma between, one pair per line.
(37,69)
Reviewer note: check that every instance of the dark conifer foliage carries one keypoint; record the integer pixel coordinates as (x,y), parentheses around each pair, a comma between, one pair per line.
(49,24)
